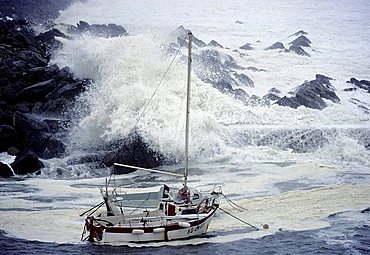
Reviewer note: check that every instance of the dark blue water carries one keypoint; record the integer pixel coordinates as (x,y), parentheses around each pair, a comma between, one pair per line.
(342,237)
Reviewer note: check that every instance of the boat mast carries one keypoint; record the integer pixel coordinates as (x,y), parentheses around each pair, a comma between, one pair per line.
(190,35)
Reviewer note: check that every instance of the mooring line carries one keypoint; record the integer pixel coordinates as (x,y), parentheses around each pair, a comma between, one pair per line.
(233,204)
(239,219)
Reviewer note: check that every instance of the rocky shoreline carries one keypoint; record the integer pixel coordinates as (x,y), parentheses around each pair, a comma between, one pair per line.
(35,95)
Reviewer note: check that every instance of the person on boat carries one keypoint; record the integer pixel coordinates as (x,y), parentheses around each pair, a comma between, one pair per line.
(183,195)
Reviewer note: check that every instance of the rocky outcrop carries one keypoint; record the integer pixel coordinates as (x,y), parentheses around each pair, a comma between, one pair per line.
(277,45)
(133,151)
(246,46)
(29,86)
(298,50)
(311,94)
(26,163)
(31,90)
(100,30)
(213,43)
(362,84)
(301,41)
(298,33)
(272,96)
(36,11)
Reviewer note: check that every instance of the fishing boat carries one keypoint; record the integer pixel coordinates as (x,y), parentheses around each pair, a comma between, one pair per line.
(165,215)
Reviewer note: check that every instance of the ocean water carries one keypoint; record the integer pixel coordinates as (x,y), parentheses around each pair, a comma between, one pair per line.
(313,199)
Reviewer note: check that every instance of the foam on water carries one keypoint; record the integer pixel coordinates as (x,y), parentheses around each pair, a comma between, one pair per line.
(287,190)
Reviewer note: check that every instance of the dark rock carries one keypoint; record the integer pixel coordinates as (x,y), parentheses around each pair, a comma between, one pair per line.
(255,69)
(244,79)
(323,79)
(301,41)
(56,106)
(25,123)
(14,151)
(133,151)
(26,163)
(6,117)
(57,125)
(67,91)
(240,94)
(277,45)
(110,30)
(34,10)
(298,50)
(22,107)
(363,84)
(48,38)
(349,89)
(33,58)
(308,98)
(300,32)
(8,94)
(213,43)
(89,158)
(310,94)
(8,137)
(37,91)
(5,170)
(246,46)
(4,82)
(53,148)
(288,101)
(366,210)
(272,95)
(275,91)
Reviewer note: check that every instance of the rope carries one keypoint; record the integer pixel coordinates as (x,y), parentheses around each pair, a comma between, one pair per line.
(98,205)
(233,204)
(239,219)
(140,204)
(159,84)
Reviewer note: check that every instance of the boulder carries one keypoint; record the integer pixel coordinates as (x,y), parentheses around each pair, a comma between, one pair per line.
(244,79)
(26,163)
(246,46)
(133,151)
(298,50)
(298,33)
(49,36)
(8,137)
(33,58)
(67,91)
(213,43)
(26,123)
(37,91)
(363,84)
(311,94)
(53,148)
(5,170)
(110,30)
(277,45)
(301,41)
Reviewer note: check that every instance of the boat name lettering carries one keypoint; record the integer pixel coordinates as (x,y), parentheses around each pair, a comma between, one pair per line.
(196,228)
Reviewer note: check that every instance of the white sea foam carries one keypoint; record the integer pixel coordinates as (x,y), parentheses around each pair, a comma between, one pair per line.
(287,190)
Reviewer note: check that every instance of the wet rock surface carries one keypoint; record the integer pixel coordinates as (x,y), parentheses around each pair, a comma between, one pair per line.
(311,94)
(29,85)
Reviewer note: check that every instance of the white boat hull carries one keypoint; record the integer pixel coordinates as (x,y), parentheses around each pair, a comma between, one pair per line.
(181,230)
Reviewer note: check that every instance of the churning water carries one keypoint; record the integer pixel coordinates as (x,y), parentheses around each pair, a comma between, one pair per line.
(304,172)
